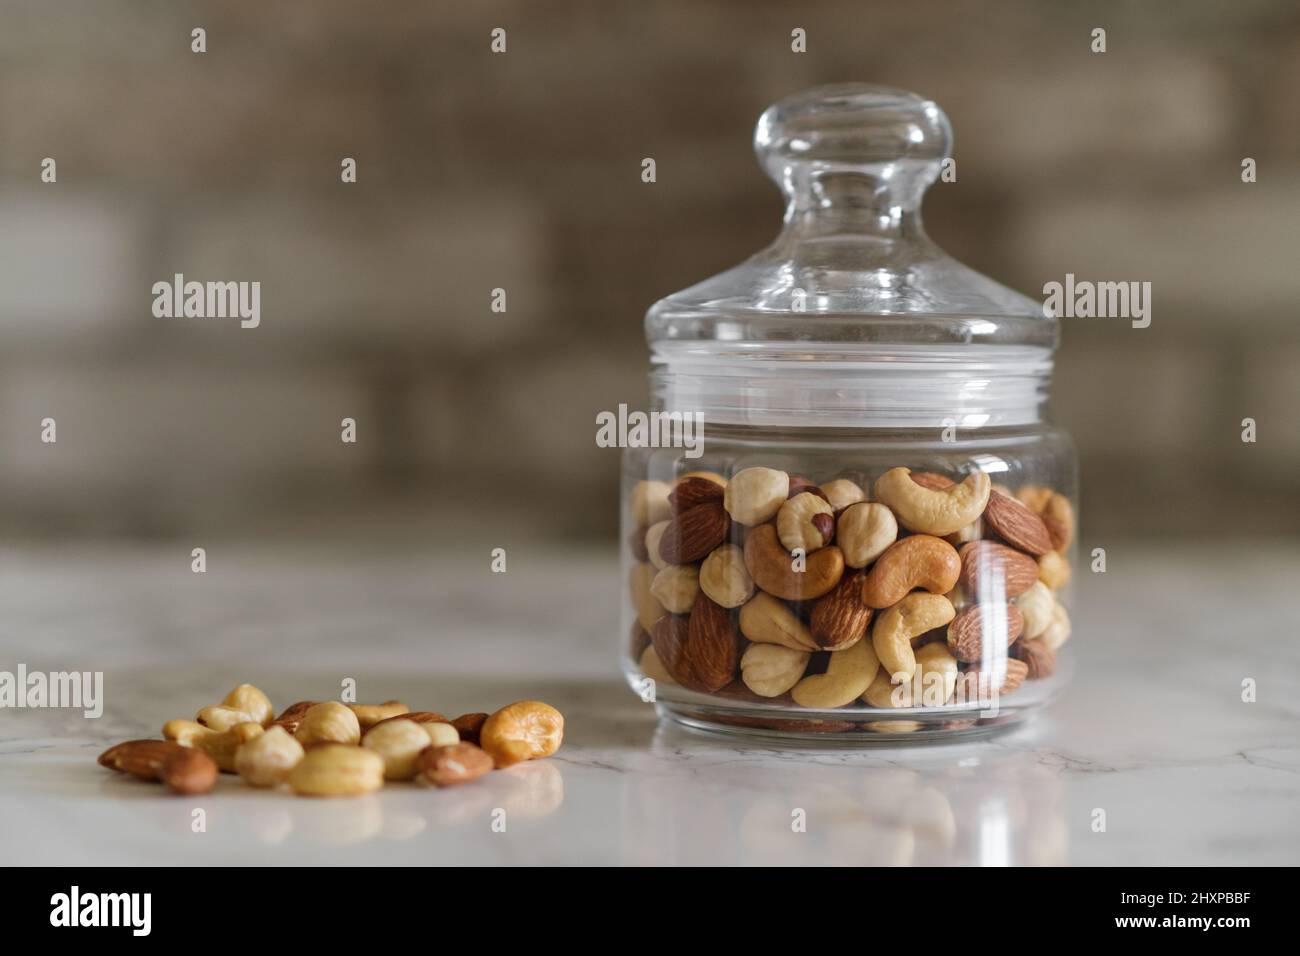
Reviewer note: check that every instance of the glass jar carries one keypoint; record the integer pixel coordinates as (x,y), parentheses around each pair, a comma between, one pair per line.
(845,513)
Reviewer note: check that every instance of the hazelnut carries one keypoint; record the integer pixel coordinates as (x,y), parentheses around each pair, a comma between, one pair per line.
(653,537)
(399,743)
(724,577)
(330,721)
(676,586)
(650,503)
(841,493)
(864,531)
(805,521)
(755,495)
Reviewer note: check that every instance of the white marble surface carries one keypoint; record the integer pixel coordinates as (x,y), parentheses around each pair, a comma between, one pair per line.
(1153,729)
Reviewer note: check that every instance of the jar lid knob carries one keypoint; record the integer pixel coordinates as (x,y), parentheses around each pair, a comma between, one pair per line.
(894,138)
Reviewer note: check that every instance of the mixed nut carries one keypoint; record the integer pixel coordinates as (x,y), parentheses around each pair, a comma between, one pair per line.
(930,591)
(331,749)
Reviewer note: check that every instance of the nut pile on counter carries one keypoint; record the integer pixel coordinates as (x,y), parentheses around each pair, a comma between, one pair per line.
(766,587)
(328,749)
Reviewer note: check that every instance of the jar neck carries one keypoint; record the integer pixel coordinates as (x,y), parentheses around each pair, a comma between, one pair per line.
(827,385)
(877,203)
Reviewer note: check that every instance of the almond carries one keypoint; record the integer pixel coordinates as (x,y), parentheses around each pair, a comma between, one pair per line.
(840,618)
(1016,525)
(977,685)
(292,715)
(1037,656)
(1017,671)
(795,725)
(189,771)
(419,716)
(638,641)
(453,764)
(984,563)
(692,491)
(712,645)
(1057,530)
(932,480)
(140,758)
(636,544)
(669,637)
(469,725)
(966,632)
(693,533)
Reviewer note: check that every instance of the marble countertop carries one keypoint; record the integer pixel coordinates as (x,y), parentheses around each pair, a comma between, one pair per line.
(1153,731)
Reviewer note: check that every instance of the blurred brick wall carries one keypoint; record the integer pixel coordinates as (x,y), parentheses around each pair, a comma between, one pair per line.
(522,171)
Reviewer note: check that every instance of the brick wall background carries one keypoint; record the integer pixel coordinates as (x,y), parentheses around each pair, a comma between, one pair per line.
(522,171)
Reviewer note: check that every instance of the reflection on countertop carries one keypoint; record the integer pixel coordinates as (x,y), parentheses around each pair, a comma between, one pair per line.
(934,806)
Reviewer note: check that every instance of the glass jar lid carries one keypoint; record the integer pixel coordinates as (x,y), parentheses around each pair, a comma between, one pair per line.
(853,285)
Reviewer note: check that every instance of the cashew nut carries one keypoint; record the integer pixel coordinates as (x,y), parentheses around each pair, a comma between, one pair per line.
(847,677)
(766,620)
(253,702)
(931,685)
(368,715)
(220,745)
(911,617)
(794,579)
(220,717)
(770,670)
(917,561)
(864,532)
(929,511)
(186,732)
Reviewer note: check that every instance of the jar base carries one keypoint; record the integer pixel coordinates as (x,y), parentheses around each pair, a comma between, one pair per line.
(848,730)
